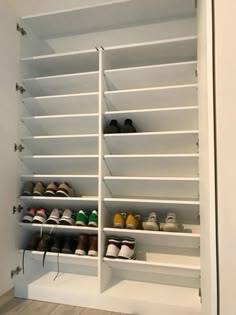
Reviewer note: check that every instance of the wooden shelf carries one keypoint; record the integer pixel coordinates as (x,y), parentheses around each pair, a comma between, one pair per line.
(153,165)
(74,203)
(62,164)
(152,97)
(157,238)
(187,210)
(166,119)
(62,84)
(60,63)
(82,103)
(47,228)
(152,187)
(151,76)
(70,144)
(62,124)
(107,16)
(173,142)
(172,269)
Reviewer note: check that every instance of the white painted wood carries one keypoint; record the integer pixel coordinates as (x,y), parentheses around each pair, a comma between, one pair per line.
(151,120)
(73,203)
(62,104)
(108,16)
(187,210)
(176,269)
(57,229)
(62,84)
(61,63)
(152,187)
(154,75)
(70,144)
(153,165)
(180,49)
(62,164)
(157,97)
(62,124)
(186,240)
(172,142)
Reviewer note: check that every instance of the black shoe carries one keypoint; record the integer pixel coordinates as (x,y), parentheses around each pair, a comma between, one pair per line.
(113,127)
(69,245)
(57,245)
(128,127)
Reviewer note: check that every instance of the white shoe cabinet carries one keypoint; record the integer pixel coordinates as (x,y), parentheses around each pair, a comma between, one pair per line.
(150,61)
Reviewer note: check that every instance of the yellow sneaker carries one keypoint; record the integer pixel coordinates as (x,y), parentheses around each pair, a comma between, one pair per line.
(119,220)
(133,222)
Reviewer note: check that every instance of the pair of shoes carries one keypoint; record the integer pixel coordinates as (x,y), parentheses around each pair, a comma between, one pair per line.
(87,245)
(171,224)
(56,216)
(121,248)
(35,216)
(122,220)
(52,190)
(114,127)
(85,219)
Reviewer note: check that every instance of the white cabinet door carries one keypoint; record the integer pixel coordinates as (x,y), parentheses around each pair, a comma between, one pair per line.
(9,104)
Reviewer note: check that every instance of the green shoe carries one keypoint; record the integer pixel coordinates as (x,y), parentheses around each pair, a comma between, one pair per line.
(93,218)
(81,218)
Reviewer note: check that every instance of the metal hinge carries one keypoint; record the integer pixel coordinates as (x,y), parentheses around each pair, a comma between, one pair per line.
(16,271)
(20,88)
(18,147)
(17,209)
(195,4)
(21,29)
(196,73)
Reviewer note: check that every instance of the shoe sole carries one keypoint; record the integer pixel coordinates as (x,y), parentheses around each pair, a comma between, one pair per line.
(80,223)
(49,194)
(27,219)
(80,252)
(93,224)
(67,251)
(131,227)
(61,193)
(152,226)
(39,219)
(170,227)
(66,222)
(53,221)
(133,257)
(92,252)
(118,226)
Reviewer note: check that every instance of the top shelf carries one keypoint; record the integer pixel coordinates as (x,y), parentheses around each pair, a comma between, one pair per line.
(107,16)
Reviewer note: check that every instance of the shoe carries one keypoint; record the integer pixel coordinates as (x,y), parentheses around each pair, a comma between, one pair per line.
(119,220)
(46,243)
(33,242)
(113,127)
(65,190)
(93,219)
(113,247)
(69,245)
(81,218)
(40,217)
(29,215)
(128,127)
(133,222)
(51,189)
(127,250)
(93,245)
(54,217)
(82,246)
(67,218)
(152,223)
(171,225)
(57,245)
(39,189)
(27,189)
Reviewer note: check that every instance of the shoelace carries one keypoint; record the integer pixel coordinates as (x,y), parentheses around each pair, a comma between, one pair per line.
(58,271)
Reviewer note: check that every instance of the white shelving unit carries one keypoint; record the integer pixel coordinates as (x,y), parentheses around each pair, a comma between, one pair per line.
(81,68)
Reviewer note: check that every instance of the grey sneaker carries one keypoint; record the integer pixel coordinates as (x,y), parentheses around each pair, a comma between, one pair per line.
(39,189)
(152,223)
(40,216)
(51,189)
(54,216)
(65,190)
(67,218)
(27,189)
(171,225)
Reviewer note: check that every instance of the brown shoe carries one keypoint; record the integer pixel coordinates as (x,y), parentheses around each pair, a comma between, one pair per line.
(33,242)
(82,246)
(51,189)
(93,245)
(65,190)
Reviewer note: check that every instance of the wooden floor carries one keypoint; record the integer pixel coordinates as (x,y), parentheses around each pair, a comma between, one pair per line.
(12,306)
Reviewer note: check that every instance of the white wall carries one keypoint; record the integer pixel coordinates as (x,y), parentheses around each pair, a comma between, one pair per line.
(9,101)
(226,147)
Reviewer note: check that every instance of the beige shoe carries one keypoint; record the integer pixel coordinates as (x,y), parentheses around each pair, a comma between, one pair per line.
(65,190)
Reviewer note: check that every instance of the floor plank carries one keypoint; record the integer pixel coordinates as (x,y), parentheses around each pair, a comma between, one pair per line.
(90,311)
(64,310)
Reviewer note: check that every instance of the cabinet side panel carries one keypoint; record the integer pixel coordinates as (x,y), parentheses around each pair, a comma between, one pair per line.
(9,56)
(206,160)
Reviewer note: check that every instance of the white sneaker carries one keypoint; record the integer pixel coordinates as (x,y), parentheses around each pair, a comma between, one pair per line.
(67,218)
(151,223)
(127,250)
(113,247)
(171,225)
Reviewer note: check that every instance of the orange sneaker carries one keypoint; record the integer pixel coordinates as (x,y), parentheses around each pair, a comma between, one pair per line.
(133,222)
(119,220)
